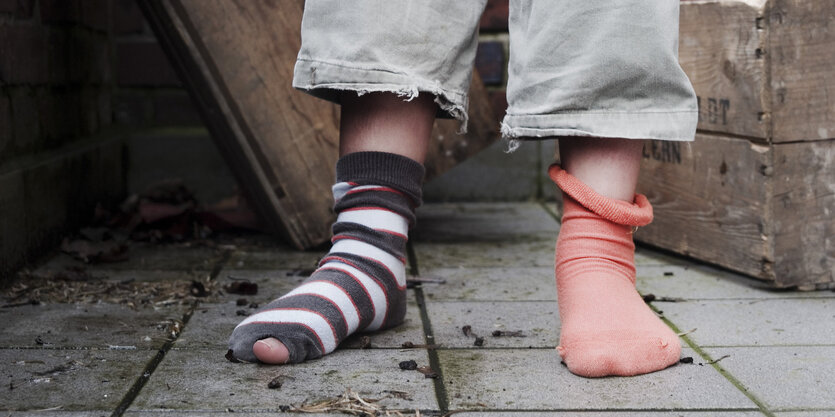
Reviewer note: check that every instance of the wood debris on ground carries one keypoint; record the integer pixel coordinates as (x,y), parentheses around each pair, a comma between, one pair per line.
(352,403)
(48,289)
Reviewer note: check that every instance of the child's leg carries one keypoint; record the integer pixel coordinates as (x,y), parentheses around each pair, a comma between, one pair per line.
(360,284)
(607,329)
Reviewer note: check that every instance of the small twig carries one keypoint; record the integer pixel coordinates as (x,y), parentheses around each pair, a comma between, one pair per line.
(420,280)
(717,360)
(687,332)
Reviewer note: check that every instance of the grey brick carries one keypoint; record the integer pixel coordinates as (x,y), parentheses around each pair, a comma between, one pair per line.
(490,284)
(485,254)
(204,380)
(647,413)
(86,326)
(784,378)
(74,380)
(698,282)
(538,322)
(755,322)
(519,379)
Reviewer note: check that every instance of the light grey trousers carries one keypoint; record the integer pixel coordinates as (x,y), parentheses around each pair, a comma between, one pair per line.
(598,68)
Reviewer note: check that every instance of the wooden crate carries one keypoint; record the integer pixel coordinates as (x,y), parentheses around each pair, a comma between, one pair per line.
(236,59)
(755,192)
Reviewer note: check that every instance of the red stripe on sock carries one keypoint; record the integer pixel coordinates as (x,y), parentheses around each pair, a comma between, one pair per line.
(377,188)
(318,339)
(393,233)
(340,237)
(375,279)
(333,303)
(351,299)
(371,208)
(367,294)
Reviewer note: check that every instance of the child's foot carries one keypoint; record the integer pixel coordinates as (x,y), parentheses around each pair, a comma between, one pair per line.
(361,284)
(607,329)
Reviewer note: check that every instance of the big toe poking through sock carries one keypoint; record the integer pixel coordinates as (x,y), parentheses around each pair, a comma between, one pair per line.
(607,329)
(361,284)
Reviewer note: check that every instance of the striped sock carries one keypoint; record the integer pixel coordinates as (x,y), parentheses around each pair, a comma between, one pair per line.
(360,284)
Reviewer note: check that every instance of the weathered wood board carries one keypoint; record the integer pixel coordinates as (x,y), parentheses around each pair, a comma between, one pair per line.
(710,200)
(236,58)
(762,68)
(764,210)
(803,212)
(755,192)
(718,46)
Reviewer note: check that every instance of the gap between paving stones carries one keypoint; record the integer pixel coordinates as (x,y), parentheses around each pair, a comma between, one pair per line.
(152,365)
(434,361)
(715,364)
(134,390)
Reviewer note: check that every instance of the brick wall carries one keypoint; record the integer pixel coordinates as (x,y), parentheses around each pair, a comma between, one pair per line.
(58,155)
(148,91)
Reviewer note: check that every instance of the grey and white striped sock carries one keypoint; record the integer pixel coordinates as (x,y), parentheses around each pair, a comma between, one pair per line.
(360,284)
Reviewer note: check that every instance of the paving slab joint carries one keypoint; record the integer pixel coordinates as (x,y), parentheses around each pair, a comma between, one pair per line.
(715,364)
(429,337)
(140,382)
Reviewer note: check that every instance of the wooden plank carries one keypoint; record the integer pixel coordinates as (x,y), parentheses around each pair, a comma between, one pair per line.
(237,59)
(711,201)
(802,54)
(721,51)
(803,213)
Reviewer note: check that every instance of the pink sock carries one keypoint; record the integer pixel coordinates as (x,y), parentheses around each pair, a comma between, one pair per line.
(607,329)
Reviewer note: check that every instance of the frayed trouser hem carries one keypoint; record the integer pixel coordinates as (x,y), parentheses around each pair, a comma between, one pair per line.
(328,80)
(673,125)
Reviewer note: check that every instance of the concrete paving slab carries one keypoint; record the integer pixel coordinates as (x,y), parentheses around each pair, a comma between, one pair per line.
(211,413)
(58,414)
(785,377)
(485,254)
(703,282)
(491,284)
(764,322)
(274,258)
(211,325)
(808,413)
(196,380)
(272,283)
(518,379)
(74,380)
(87,326)
(648,413)
(149,257)
(484,222)
(537,321)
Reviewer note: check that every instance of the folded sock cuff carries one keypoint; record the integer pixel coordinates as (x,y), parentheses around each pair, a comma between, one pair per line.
(637,213)
(382,168)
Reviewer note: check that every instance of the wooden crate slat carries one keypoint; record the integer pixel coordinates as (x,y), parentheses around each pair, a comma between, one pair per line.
(803,213)
(718,50)
(710,201)
(801,52)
